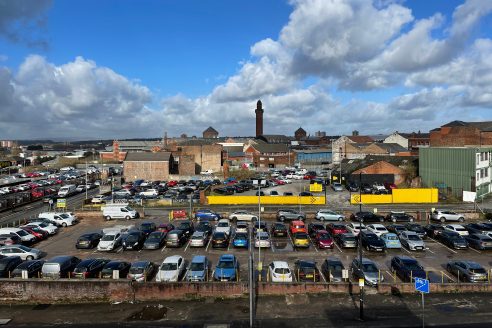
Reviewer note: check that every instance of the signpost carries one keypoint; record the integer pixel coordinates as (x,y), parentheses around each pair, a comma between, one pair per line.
(316,187)
(61,203)
(422,286)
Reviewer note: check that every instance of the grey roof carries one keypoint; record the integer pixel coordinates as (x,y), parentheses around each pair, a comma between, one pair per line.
(484,126)
(312,151)
(211,130)
(233,149)
(275,138)
(415,135)
(200,142)
(148,157)
(272,148)
(392,147)
(351,165)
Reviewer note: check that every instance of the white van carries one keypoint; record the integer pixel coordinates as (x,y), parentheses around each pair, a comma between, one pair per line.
(119,211)
(67,190)
(59,219)
(22,234)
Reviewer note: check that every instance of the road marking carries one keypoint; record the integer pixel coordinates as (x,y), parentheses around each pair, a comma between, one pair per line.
(476,250)
(392,276)
(314,245)
(187,244)
(230,242)
(119,250)
(455,252)
(321,274)
(405,249)
(208,244)
(452,280)
(428,249)
(337,246)
(163,248)
(140,251)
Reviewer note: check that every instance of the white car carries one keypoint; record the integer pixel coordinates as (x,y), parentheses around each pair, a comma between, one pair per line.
(242,216)
(285,180)
(242,227)
(149,193)
(223,226)
(456,228)
(377,228)
(109,241)
(97,199)
(262,240)
(60,219)
(48,227)
(279,271)
(171,269)
(355,227)
(25,253)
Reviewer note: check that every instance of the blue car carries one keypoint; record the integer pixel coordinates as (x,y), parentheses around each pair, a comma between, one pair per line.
(207,215)
(227,268)
(407,268)
(240,240)
(391,240)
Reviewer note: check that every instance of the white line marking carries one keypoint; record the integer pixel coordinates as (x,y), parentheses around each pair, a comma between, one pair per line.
(314,245)
(163,248)
(455,252)
(208,244)
(338,247)
(452,280)
(406,250)
(321,274)
(391,276)
(476,250)
(428,249)
(187,244)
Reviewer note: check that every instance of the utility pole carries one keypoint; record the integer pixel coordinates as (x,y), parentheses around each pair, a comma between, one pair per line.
(361,296)
(86,179)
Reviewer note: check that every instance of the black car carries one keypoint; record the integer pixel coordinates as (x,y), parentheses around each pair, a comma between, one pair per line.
(88,240)
(121,266)
(278,229)
(478,228)
(155,240)
(306,271)
(479,241)
(417,228)
(260,226)
(8,264)
(89,268)
(220,240)
(224,191)
(332,269)
(205,226)
(407,268)
(366,188)
(133,240)
(352,186)
(32,267)
(396,228)
(453,240)
(366,217)
(399,217)
(372,242)
(305,193)
(314,227)
(433,230)
(186,226)
(148,227)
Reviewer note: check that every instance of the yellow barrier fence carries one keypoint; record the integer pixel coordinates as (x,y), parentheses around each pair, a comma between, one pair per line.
(399,196)
(272,200)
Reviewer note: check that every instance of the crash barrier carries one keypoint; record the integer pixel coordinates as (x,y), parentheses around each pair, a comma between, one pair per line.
(266,200)
(399,196)
(16,291)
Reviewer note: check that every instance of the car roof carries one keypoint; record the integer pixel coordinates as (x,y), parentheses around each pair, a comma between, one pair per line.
(172,259)
(198,259)
(140,264)
(410,233)
(377,225)
(280,264)
(226,257)
(472,264)
(406,258)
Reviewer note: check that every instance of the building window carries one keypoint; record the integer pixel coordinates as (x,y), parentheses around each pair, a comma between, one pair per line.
(478,159)
(482,157)
(478,176)
(262,158)
(481,173)
(486,172)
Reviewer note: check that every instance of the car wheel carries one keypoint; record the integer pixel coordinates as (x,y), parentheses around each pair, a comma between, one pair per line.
(282,218)
(321,218)
(394,220)
(340,219)
(461,219)
(254,219)
(127,217)
(234,219)
(108,218)
(64,224)
(29,258)
(443,219)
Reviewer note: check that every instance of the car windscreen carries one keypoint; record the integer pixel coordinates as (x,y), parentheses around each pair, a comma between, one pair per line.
(392,237)
(136,270)
(195,266)
(369,267)
(412,266)
(349,238)
(240,237)
(48,268)
(154,237)
(413,237)
(223,224)
(478,271)
(108,238)
(197,237)
(371,237)
(324,236)
(131,238)
(22,233)
(169,266)
(336,267)
(301,236)
(263,237)
(282,271)
(225,265)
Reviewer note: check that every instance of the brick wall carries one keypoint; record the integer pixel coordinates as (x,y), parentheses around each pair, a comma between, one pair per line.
(459,136)
(207,157)
(151,171)
(187,165)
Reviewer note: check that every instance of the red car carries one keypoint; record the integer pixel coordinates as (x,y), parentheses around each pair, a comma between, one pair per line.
(336,228)
(165,227)
(297,226)
(323,239)
(36,232)
(37,193)
(172,183)
(279,182)
(309,177)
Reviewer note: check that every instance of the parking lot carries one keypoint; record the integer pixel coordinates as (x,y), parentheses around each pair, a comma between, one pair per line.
(433,258)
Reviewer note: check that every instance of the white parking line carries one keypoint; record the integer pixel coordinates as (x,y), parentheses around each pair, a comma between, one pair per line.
(311,242)
(455,252)
(452,280)
(337,247)
(428,249)
(140,251)
(163,248)
(406,250)
(208,244)
(119,250)
(291,241)
(187,245)
(321,274)
(390,274)
(476,250)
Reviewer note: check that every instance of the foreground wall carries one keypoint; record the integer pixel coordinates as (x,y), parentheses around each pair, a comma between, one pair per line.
(399,196)
(265,200)
(97,291)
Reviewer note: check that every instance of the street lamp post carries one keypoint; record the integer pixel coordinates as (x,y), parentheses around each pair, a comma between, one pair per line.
(361,296)
(86,179)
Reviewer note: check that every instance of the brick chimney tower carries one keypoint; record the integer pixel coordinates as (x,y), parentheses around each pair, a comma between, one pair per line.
(259,118)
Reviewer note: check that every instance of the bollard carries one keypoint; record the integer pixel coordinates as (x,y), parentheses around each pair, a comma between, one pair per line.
(411,275)
(394,276)
(442,277)
(298,276)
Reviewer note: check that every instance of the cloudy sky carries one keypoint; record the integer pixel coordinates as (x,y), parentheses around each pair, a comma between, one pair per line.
(89,69)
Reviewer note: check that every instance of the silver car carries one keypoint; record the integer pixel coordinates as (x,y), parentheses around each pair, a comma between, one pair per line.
(412,241)
(367,271)
(467,271)
(199,239)
(24,252)
(262,240)
(329,215)
(446,215)
(242,216)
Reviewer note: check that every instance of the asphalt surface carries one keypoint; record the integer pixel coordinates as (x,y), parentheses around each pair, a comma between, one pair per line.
(334,310)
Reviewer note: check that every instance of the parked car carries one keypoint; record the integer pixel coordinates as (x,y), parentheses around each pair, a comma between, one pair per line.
(458,228)
(337,186)
(260,226)
(328,215)
(220,240)
(110,241)
(36,232)
(366,270)
(467,271)
(240,240)
(391,240)
(407,268)
(278,229)
(355,228)
(323,239)
(412,241)
(453,240)
(377,229)
(176,238)
(33,269)
(141,271)
(88,240)
(8,264)
(433,230)
(206,214)
(346,240)
(199,269)
(242,216)
(60,266)
(199,239)
(9,240)
(155,240)
(148,227)
(205,226)
(306,270)
(314,227)
(89,268)
(186,226)
(297,226)
(122,267)
(399,217)
(227,268)
(372,242)
(446,215)
(300,240)
(171,269)
(134,240)
(223,226)
(417,228)
(262,240)
(366,217)
(396,228)
(478,228)
(352,186)
(483,242)
(289,214)
(332,269)
(279,271)
(165,227)
(24,252)
(336,228)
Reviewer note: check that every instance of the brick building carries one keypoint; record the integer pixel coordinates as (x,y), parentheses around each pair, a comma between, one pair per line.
(338,146)
(461,134)
(300,134)
(264,155)
(383,168)
(147,166)
(210,133)
(205,156)
(411,141)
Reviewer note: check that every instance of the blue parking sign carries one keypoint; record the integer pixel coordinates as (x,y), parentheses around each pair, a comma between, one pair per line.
(422,285)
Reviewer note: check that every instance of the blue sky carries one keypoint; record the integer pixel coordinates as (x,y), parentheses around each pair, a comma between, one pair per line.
(183,65)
